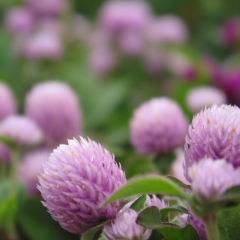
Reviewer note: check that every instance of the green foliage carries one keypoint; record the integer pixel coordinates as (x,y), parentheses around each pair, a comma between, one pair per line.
(140,203)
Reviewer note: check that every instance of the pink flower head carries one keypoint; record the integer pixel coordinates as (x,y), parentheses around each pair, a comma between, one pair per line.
(118,16)
(231,31)
(22,130)
(54,106)
(214,133)
(167,29)
(158,125)
(77,178)
(7,102)
(46,7)
(19,21)
(30,168)
(201,97)
(42,45)
(210,179)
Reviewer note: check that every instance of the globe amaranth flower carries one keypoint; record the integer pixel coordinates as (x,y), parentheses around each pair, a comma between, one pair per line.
(210,179)
(158,125)
(7,102)
(202,97)
(177,166)
(77,178)
(214,133)
(22,130)
(118,16)
(197,224)
(19,21)
(167,29)
(231,31)
(46,7)
(125,226)
(42,45)
(30,168)
(55,108)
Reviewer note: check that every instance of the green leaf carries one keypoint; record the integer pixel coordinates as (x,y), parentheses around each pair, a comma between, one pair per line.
(140,203)
(150,218)
(178,182)
(95,233)
(233,194)
(156,235)
(166,211)
(186,233)
(147,184)
(8,141)
(38,224)
(228,223)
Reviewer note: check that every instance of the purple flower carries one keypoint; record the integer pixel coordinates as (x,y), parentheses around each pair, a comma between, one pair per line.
(197,224)
(7,102)
(102,60)
(5,153)
(22,130)
(42,45)
(30,167)
(177,167)
(201,97)
(19,21)
(46,7)
(231,31)
(54,106)
(214,133)
(118,16)
(167,29)
(125,226)
(210,179)
(158,125)
(77,178)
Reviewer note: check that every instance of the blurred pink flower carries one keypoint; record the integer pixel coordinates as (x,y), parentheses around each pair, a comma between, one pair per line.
(117,16)
(5,153)
(19,21)
(43,45)
(46,7)
(167,29)
(7,101)
(199,98)
(154,61)
(30,168)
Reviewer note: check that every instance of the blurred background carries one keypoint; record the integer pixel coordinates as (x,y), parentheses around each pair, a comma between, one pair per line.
(83,67)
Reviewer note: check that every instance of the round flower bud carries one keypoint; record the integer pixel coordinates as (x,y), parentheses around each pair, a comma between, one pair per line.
(78,178)
(30,168)
(158,125)
(22,130)
(19,21)
(197,224)
(54,106)
(214,133)
(210,179)
(167,29)
(125,226)
(7,102)
(118,16)
(5,153)
(201,97)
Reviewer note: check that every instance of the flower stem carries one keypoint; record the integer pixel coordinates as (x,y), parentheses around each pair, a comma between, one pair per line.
(13,171)
(210,223)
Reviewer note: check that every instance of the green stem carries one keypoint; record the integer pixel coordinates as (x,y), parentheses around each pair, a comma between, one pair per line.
(210,223)
(13,171)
